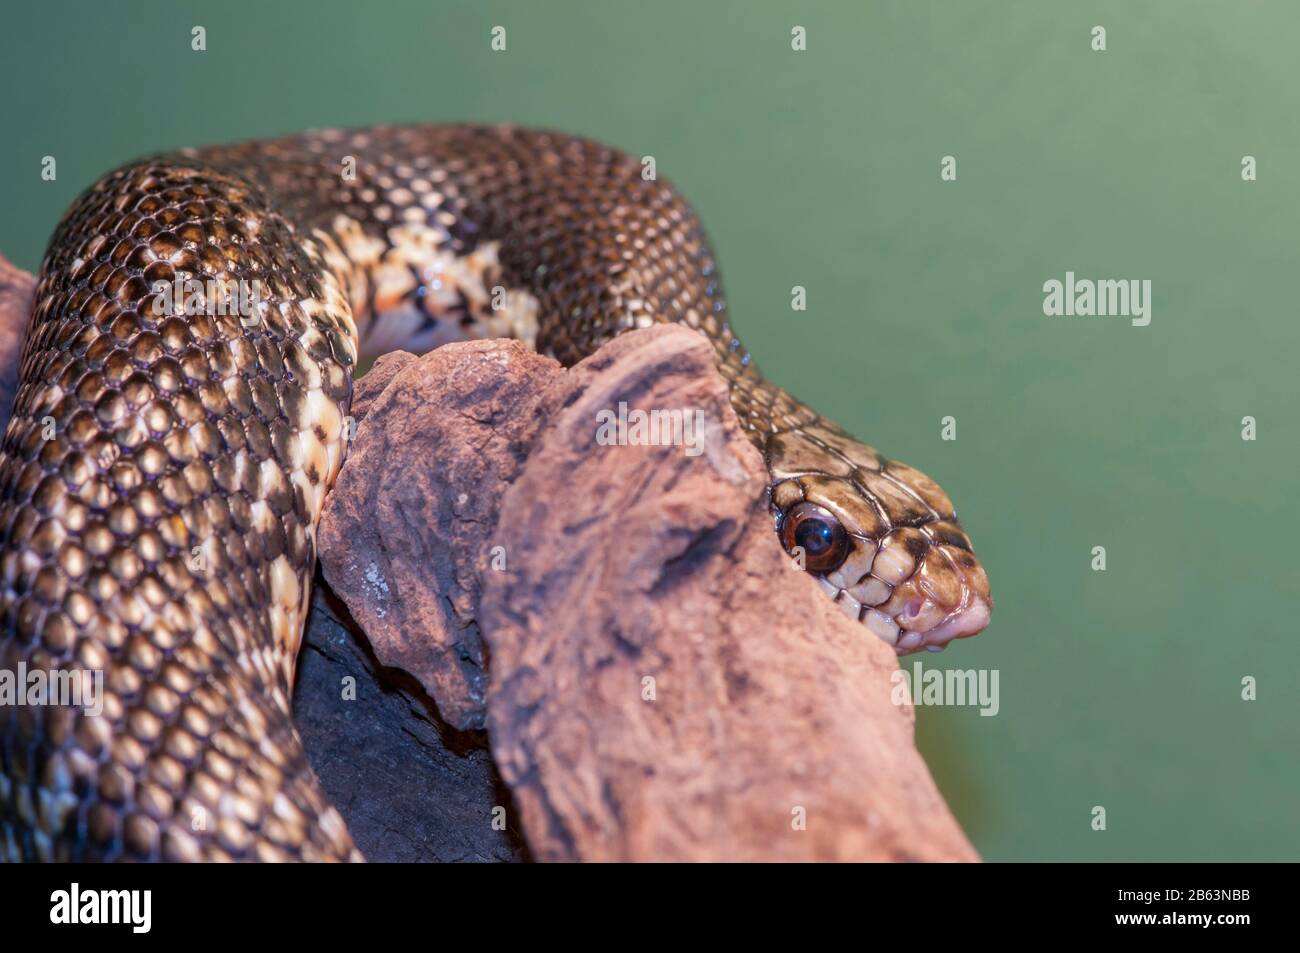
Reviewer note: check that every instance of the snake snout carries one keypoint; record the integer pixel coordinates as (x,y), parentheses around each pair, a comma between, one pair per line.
(940,591)
(968,617)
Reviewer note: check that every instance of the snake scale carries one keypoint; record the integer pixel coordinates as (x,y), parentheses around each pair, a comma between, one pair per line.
(163,473)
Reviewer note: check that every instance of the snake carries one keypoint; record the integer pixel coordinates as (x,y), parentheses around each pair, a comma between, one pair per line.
(182,411)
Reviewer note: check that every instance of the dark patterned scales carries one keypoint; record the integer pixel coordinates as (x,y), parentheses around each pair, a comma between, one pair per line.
(164,469)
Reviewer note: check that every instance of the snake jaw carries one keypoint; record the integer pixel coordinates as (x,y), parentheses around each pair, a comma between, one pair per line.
(944,597)
(968,620)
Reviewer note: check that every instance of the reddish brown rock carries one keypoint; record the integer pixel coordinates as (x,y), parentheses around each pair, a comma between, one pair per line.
(414,506)
(664,685)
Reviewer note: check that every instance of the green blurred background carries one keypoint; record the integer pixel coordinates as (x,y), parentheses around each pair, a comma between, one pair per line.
(1119,688)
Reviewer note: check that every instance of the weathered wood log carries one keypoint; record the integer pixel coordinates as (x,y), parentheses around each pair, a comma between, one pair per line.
(663,685)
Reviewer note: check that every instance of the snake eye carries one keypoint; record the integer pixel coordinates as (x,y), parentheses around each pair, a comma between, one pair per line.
(824,542)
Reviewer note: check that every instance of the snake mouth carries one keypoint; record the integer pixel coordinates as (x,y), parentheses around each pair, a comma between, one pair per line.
(914,590)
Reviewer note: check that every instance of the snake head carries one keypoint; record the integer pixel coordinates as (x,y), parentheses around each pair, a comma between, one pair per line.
(881,538)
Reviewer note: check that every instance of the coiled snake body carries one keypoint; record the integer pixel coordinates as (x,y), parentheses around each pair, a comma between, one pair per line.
(163,473)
